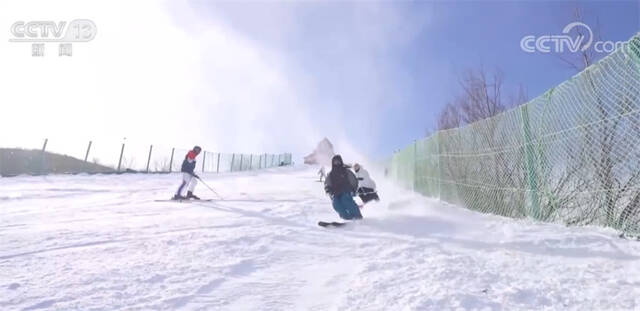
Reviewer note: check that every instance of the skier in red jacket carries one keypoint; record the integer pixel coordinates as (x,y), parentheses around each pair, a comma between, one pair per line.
(189,177)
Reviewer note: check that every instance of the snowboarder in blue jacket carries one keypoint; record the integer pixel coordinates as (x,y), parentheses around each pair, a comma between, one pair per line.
(189,177)
(341,185)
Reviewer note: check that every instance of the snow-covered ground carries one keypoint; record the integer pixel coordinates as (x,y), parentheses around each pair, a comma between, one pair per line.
(103,243)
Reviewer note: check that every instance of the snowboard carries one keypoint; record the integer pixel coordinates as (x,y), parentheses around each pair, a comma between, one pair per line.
(331,224)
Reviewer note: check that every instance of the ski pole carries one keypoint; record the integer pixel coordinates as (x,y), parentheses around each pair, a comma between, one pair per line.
(204,183)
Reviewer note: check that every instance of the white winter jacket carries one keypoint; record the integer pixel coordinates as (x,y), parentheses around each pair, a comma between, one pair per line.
(364,181)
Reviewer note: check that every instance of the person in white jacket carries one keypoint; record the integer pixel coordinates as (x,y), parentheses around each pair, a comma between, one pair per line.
(366,185)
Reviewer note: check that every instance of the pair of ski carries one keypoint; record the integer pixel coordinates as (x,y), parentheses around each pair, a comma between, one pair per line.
(327,224)
(185,200)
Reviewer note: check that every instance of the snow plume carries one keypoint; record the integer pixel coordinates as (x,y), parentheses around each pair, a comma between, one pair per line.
(322,154)
(135,79)
(148,78)
(337,60)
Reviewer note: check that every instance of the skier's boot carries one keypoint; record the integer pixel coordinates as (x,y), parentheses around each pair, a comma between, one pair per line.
(178,197)
(190,195)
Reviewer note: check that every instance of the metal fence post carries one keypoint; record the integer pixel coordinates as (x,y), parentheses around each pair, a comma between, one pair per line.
(171,161)
(204,157)
(218,164)
(241,158)
(86,155)
(532,181)
(42,156)
(439,166)
(120,161)
(149,158)
(415,164)
(233,158)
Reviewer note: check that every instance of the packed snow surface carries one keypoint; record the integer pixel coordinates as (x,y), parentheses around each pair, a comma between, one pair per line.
(102,242)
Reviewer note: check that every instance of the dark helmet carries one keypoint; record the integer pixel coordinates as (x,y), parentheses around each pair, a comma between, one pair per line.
(197,149)
(336,161)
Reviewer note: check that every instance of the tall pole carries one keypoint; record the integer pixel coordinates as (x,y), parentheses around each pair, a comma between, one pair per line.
(415,164)
(233,158)
(42,158)
(120,161)
(86,155)
(204,157)
(530,164)
(149,158)
(218,164)
(171,161)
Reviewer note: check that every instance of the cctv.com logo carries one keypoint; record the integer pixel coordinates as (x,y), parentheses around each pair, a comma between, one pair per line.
(565,42)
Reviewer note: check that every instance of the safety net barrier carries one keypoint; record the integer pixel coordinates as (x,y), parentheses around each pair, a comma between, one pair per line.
(571,155)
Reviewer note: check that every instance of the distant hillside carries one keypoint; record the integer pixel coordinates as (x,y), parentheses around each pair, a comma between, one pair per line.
(22,161)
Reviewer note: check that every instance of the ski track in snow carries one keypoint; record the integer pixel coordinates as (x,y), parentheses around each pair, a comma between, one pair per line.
(101,243)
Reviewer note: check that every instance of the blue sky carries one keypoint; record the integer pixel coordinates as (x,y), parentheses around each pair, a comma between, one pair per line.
(383,70)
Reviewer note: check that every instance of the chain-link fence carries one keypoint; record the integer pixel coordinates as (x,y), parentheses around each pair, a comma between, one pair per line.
(571,155)
(60,156)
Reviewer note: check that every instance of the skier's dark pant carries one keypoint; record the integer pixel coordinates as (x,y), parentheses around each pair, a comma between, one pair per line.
(367,195)
(345,206)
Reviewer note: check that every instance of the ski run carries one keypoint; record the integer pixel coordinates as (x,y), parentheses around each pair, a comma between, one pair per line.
(103,242)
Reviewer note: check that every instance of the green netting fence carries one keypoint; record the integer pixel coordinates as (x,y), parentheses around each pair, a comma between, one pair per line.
(571,155)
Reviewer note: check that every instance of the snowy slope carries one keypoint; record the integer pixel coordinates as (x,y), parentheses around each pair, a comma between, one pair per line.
(101,242)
